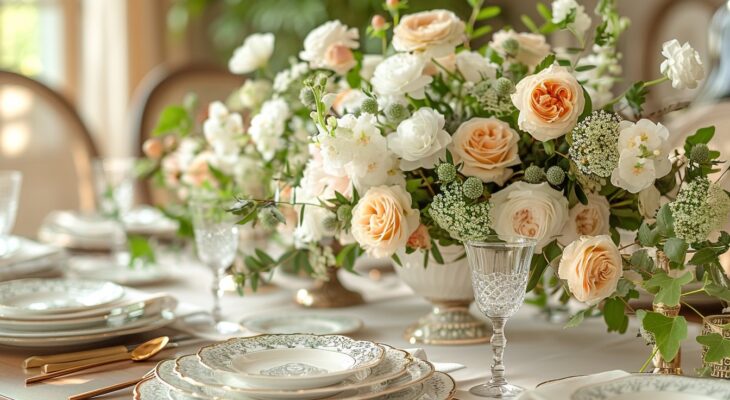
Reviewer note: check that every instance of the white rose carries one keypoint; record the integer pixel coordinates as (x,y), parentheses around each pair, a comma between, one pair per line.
(369,62)
(253,54)
(383,220)
(222,129)
(532,47)
(563,8)
(590,219)
(329,46)
(644,155)
(420,140)
(486,147)
(649,202)
(682,65)
(474,67)
(401,74)
(254,92)
(550,103)
(312,228)
(267,127)
(592,267)
(531,210)
(435,33)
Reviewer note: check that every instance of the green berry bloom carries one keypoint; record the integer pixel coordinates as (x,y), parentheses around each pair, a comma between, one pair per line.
(449,209)
(369,105)
(511,46)
(700,208)
(534,174)
(344,213)
(396,112)
(473,188)
(555,175)
(267,218)
(330,223)
(446,172)
(700,153)
(595,144)
(306,96)
(504,86)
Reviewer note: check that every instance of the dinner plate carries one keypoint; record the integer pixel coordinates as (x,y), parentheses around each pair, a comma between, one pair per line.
(130,323)
(31,258)
(665,387)
(150,389)
(317,324)
(440,386)
(105,267)
(55,296)
(394,365)
(74,230)
(297,361)
(47,342)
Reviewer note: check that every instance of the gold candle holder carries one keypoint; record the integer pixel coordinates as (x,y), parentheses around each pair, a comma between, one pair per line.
(661,365)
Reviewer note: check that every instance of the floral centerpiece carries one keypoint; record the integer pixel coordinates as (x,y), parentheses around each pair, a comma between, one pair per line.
(435,142)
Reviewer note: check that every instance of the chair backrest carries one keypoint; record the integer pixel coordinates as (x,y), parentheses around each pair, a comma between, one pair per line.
(42,136)
(166,86)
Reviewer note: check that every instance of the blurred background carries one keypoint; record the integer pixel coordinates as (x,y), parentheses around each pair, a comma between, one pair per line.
(101,71)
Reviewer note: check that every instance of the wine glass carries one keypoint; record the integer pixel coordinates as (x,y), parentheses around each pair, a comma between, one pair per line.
(500,266)
(216,239)
(114,184)
(10,182)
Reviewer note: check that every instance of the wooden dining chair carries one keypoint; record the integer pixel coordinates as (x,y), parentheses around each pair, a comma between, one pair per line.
(166,86)
(42,135)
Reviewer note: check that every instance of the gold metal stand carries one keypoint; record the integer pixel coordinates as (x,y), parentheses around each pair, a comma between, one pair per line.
(662,366)
(328,294)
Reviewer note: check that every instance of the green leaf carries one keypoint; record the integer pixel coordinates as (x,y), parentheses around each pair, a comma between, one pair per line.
(703,135)
(676,250)
(614,313)
(648,237)
(529,23)
(717,291)
(704,256)
(588,107)
(636,97)
(552,251)
(483,30)
(173,118)
(549,147)
(488,12)
(584,68)
(537,268)
(140,250)
(578,318)
(668,331)
(665,221)
(396,259)
(545,63)
(642,260)
(436,253)
(669,289)
(718,347)
(544,11)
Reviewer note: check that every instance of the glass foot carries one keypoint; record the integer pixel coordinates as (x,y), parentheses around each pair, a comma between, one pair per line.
(203,325)
(495,391)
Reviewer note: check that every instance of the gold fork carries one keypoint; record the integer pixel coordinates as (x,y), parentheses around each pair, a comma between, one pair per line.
(110,388)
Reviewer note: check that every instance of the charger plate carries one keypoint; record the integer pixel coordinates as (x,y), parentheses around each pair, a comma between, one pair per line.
(394,365)
(55,296)
(317,324)
(648,386)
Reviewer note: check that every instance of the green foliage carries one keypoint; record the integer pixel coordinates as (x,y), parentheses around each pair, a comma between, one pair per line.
(676,250)
(718,347)
(545,63)
(668,290)
(140,250)
(174,119)
(614,313)
(636,97)
(668,331)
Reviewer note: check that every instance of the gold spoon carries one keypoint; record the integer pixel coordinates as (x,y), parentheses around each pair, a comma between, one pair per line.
(142,352)
(111,388)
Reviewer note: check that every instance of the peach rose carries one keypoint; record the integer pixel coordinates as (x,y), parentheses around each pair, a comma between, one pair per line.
(590,219)
(198,172)
(383,220)
(592,267)
(532,48)
(153,148)
(420,239)
(486,146)
(339,58)
(435,32)
(550,103)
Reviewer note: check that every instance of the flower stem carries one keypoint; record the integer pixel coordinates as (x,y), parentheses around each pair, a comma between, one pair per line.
(656,81)
(648,360)
(684,303)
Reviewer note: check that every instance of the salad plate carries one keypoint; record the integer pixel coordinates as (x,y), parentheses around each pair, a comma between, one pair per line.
(648,386)
(317,324)
(394,365)
(298,361)
(55,296)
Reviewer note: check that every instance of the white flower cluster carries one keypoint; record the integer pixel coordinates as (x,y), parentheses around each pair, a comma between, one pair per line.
(643,155)
(320,259)
(223,130)
(599,81)
(284,79)
(268,126)
(562,10)
(700,208)
(594,148)
(254,92)
(451,210)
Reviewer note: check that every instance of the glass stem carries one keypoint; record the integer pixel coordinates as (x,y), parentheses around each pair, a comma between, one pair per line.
(499,342)
(217,294)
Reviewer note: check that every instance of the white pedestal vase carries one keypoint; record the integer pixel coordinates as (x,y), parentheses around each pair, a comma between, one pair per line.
(448,287)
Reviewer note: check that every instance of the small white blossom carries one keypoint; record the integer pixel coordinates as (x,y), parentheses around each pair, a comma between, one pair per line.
(682,65)
(254,92)
(253,54)
(268,126)
(563,8)
(474,67)
(284,79)
(644,155)
(222,130)
(401,74)
(700,208)
(420,140)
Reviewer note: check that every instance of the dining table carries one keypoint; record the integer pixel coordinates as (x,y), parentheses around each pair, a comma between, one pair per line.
(538,350)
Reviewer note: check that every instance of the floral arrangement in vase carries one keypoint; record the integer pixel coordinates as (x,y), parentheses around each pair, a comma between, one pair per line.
(435,142)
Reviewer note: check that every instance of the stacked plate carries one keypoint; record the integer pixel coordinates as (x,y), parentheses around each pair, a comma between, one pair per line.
(29,258)
(298,366)
(49,312)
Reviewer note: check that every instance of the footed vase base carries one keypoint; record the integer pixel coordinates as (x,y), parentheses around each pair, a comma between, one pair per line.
(449,323)
(328,294)
(493,391)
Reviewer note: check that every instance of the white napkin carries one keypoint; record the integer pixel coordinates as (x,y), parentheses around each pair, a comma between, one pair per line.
(440,366)
(563,389)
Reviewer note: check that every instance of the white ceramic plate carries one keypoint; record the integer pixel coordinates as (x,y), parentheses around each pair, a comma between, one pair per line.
(393,366)
(317,324)
(664,387)
(150,389)
(288,361)
(55,296)
(95,330)
(104,267)
(48,342)
(31,258)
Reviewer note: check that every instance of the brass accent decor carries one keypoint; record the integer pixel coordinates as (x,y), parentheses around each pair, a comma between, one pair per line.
(449,323)
(328,293)
(714,324)
(662,366)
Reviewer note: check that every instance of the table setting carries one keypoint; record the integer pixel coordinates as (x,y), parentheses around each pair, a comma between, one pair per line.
(375,222)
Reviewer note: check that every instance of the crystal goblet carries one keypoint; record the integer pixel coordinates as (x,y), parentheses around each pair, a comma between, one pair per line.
(500,266)
(216,239)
